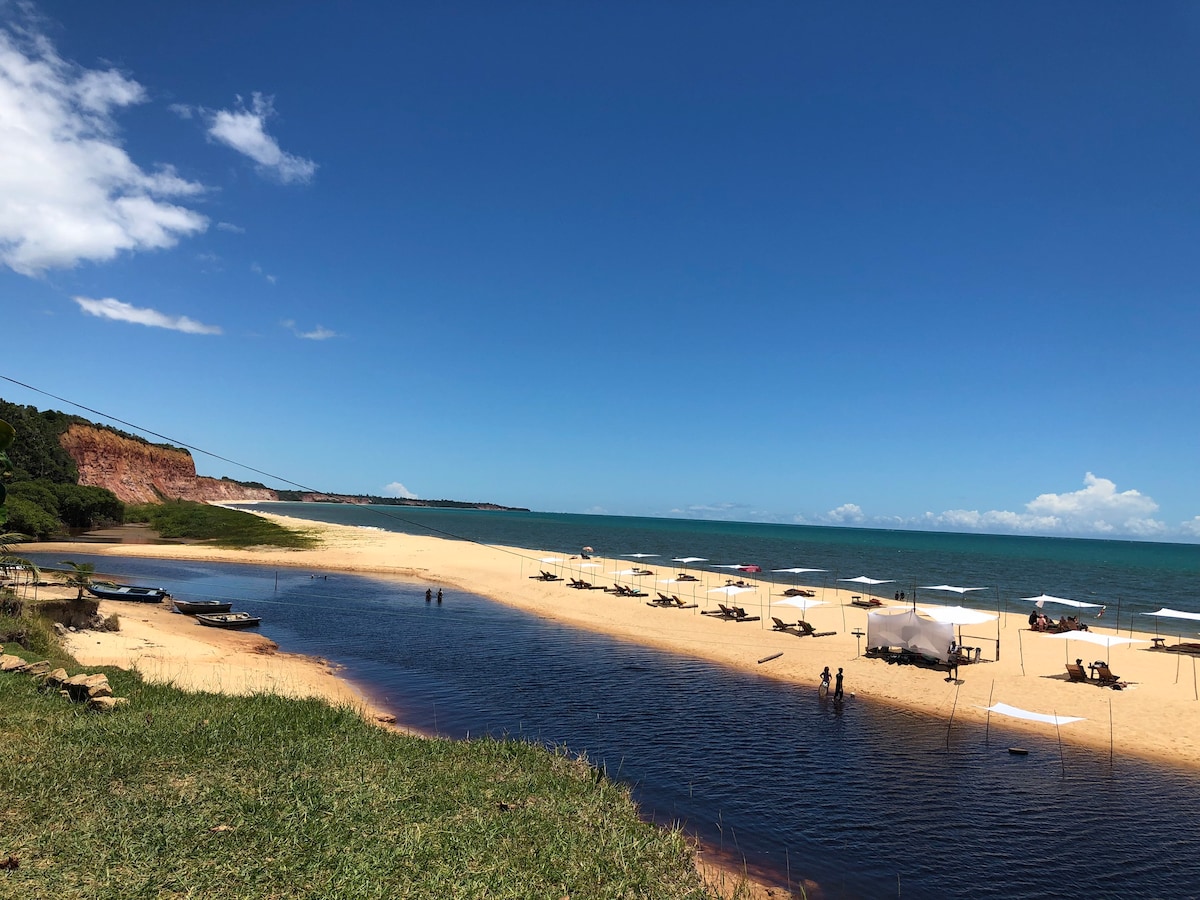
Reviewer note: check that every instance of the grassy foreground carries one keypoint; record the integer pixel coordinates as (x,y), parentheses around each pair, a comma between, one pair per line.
(208,796)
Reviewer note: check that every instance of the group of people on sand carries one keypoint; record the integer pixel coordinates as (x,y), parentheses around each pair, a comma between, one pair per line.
(1039,621)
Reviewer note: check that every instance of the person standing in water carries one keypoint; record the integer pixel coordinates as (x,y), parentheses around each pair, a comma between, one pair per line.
(428,595)
(439,595)
(824,689)
(837,687)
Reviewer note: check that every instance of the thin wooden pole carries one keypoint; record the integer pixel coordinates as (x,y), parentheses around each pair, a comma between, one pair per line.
(987,733)
(952,709)
(1110,733)
(1021,649)
(1061,759)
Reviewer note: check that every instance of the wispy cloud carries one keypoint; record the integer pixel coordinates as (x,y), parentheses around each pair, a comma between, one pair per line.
(396,489)
(68,190)
(118,311)
(320,333)
(231,228)
(258,270)
(245,130)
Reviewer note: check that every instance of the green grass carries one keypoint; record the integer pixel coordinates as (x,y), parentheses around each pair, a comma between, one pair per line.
(217,525)
(206,796)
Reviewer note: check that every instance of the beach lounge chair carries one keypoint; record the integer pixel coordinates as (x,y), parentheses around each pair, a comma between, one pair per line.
(866,602)
(1106,678)
(545,576)
(799,592)
(781,625)
(721,612)
(1076,673)
(679,604)
(739,615)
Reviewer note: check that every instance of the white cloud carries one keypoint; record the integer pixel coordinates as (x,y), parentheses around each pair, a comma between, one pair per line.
(1097,509)
(118,311)
(320,333)
(258,270)
(68,191)
(1191,528)
(846,514)
(245,131)
(396,489)
(231,228)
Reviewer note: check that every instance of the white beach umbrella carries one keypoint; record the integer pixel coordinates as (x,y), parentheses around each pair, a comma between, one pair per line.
(1175,614)
(731,590)
(1042,600)
(802,603)
(863,579)
(798,570)
(639,555)
(956,615)
(689,559)
(950,587)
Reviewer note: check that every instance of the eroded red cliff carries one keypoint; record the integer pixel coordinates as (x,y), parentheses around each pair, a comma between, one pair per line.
(142,473)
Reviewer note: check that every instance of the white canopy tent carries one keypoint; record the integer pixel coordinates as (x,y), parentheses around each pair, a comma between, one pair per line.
(909,631)
(1090,637)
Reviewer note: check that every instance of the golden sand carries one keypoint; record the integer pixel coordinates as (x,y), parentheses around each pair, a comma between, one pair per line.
(1156,716)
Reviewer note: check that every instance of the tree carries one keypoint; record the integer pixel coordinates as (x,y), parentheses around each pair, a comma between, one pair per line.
(80,575)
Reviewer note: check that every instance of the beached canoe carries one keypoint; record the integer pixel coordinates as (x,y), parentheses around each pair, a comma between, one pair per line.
(107,590)
(229,620)
(191,607)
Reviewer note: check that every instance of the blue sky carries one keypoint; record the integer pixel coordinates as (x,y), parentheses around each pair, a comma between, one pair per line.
(925,266)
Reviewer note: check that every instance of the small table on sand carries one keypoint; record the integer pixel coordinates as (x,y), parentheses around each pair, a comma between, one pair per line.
(1159,643)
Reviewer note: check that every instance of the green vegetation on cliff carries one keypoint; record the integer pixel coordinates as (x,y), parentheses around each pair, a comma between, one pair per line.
(45,497)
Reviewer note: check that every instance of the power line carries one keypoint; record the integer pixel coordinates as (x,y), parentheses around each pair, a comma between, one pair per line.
(177,443)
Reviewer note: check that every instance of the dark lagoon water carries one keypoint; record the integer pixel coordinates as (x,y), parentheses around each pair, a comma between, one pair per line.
(864,800)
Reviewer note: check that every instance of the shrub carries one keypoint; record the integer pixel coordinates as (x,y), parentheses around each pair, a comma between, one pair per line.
(26,517)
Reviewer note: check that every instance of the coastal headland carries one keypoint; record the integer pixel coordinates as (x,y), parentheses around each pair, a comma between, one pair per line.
(1154,716)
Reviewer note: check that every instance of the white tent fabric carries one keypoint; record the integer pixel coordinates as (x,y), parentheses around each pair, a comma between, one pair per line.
(863,579)
(801,602)
(949,587)
(689,559)
(549,559)
(1062,601)
(1017,713)
(797,570)
(957,615)
(730,590)
(1090,637)
(910,632)
(1174,614)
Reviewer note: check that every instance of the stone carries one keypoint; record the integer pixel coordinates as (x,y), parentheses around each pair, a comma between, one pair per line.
(106,704)
(10,663)
(36,668)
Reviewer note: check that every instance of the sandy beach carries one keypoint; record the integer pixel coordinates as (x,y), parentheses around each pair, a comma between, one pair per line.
(1154,716)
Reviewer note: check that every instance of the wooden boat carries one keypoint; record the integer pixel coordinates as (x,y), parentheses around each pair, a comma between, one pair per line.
(107,590)
(191,607)
(229,620)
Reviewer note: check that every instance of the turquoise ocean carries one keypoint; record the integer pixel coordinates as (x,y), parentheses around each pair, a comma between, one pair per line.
(1130,578)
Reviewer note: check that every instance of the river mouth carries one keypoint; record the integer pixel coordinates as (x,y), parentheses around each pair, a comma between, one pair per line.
(854,797)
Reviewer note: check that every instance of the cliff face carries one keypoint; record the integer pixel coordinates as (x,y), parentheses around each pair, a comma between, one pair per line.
(140,473)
